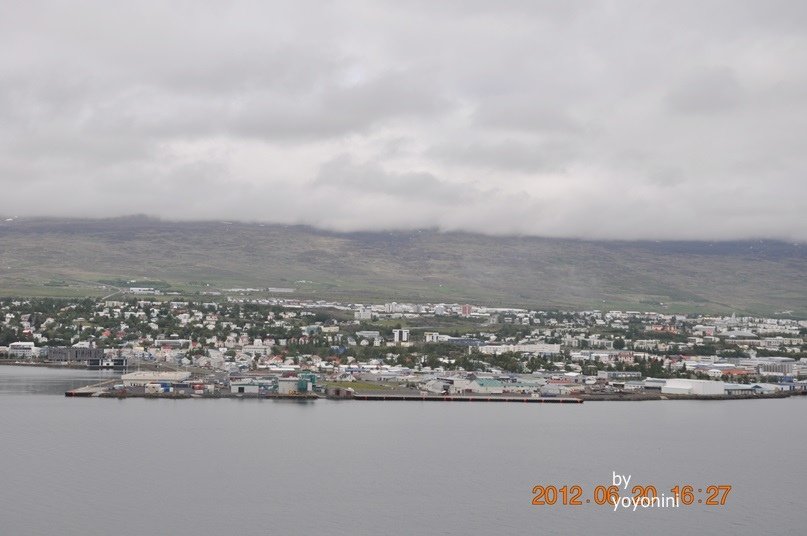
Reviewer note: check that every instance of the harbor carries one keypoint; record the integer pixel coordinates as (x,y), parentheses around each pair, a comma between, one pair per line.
(308,386)
(455,398)
(177,385)
(236,453)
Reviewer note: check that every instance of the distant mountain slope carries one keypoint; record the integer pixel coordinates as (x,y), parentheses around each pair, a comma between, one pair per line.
(66,257)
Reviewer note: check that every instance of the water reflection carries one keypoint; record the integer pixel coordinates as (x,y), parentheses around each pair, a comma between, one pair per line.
(46,380)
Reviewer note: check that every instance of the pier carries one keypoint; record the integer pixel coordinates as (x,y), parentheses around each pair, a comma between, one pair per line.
(96,389)
(455,398)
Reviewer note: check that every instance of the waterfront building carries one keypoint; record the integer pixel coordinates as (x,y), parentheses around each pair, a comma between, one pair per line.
(26,350)
(295,385)
(683,386)
(488,386)
(253,386)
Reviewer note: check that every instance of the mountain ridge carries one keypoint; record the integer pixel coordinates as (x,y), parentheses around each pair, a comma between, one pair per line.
(761,276)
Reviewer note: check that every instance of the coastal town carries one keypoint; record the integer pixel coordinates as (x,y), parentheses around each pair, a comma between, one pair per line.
(244,346)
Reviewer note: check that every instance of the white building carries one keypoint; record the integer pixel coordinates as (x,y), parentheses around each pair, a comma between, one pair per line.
(368,334)
(292,385)
(535,348)
(431,336)
(400,335)
(25,350)
(682,386)
(255,349)
(143,290)
(250,386)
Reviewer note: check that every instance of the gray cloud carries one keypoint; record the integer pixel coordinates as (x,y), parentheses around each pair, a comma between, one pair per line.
(362,179)
(508,154)
(637,120)
(708,91)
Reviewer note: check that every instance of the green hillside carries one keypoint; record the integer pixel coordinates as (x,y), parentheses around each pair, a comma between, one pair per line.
(76,257)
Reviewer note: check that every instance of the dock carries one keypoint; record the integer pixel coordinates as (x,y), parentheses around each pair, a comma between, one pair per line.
(291,396)
(460,398)
(95,389)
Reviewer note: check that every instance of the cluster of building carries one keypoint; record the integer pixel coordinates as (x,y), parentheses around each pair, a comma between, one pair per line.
(574,384)
(545,351)
(186,383)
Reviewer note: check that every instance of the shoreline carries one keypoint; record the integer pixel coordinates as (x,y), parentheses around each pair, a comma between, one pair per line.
(42,364)
(102,390)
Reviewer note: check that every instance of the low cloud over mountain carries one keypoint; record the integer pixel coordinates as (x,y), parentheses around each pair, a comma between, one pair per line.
(659,120)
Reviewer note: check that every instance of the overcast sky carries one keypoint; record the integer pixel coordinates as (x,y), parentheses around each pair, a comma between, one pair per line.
(594,119)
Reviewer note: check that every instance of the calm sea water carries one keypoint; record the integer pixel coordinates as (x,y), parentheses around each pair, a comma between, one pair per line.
(188,467)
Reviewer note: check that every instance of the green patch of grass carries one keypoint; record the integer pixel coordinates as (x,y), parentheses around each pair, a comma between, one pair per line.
(359,385)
